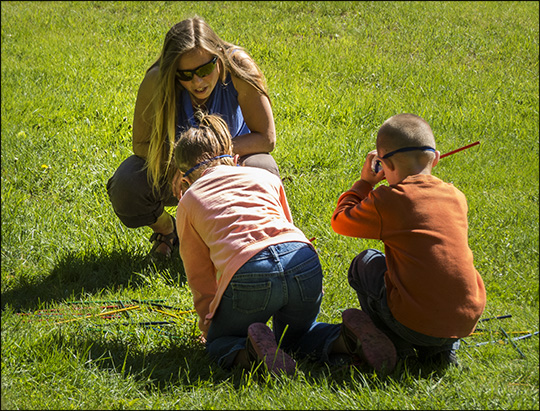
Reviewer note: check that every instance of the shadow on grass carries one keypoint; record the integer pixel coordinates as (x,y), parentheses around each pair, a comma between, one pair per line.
(180,363)
(162,362)
(362,375)
(175,360)
(184,362)
(81,273)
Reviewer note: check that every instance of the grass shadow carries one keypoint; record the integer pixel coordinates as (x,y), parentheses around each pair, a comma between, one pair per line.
(348,373)
(182,361)
(77,274)
(185,362)
(161,361)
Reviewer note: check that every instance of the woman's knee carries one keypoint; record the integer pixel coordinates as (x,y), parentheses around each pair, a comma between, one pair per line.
(131,194)
(260,160)
(127,183)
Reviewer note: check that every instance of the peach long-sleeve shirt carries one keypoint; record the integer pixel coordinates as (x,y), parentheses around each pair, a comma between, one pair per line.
(226,217)
(432,285)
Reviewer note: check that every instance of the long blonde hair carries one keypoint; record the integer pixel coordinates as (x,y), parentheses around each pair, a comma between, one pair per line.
(189,34)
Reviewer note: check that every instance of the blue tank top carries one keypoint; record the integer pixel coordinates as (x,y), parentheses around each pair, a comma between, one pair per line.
(222,101)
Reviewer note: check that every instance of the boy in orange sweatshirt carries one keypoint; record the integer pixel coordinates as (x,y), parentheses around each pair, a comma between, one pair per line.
(424,291)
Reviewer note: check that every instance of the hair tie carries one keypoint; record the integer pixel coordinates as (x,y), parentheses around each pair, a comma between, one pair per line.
(202,163)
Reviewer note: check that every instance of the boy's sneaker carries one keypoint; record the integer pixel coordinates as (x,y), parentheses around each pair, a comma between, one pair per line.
(261,345)
(366,341)
(445,358)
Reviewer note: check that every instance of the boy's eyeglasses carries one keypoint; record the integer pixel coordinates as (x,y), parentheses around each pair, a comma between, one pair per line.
(377,166)
(201,71)
(401,150)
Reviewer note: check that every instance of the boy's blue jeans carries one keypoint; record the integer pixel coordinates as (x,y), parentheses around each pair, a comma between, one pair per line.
(283,281)
(366,276)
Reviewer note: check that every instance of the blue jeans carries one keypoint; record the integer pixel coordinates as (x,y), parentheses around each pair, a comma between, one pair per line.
(282,282)
(366,276)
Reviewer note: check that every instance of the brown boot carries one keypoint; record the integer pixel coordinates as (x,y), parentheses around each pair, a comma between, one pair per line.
(261,344)
(366,341)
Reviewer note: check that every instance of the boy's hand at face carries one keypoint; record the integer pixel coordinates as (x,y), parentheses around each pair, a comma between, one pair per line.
(368,175)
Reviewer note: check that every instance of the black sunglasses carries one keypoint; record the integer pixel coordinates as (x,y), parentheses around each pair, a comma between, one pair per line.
(201,71)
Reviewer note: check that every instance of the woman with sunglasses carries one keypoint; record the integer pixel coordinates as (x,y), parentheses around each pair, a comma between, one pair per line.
(196,72)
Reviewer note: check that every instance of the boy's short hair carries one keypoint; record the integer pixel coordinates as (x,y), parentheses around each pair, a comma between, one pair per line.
(405,130)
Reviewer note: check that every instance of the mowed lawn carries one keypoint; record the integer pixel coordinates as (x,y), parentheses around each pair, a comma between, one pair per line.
(335,72)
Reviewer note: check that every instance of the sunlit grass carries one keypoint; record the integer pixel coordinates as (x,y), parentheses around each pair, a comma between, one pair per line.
(335,71)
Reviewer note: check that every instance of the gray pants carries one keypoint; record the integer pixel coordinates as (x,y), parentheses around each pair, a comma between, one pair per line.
(366,277)
(135,202)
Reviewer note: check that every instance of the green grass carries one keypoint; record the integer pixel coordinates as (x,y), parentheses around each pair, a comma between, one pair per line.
(336,71)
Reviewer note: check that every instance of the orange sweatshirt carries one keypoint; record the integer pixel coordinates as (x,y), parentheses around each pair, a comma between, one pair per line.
(432,285)
(226,217)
